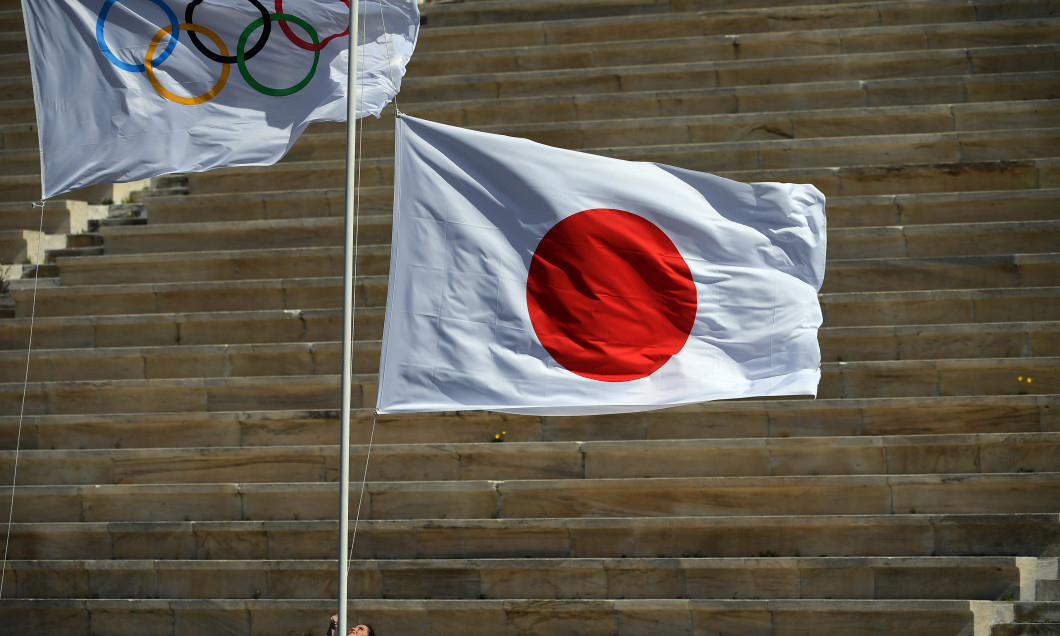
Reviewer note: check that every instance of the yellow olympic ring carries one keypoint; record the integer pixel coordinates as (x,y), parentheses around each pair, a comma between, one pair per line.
(180,99)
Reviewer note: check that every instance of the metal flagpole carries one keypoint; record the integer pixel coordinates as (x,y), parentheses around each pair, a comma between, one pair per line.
(347,315)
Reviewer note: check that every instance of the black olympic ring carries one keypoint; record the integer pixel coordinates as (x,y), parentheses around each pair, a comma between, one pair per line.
(229,59)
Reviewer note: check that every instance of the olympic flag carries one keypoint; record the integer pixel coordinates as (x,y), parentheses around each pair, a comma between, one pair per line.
(132,89)
(531,279)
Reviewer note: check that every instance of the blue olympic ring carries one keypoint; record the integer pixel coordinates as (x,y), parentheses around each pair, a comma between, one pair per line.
(240,58)
(136,68)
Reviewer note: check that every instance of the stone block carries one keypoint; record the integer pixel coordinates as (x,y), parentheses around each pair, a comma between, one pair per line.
(210,617)
(1022,453)
(606,539)
(647,617)
(650,459)
(58,541)
(508,541)
(159,503)
(841,581)
(291,580)
(550,580)
(653,578)
(203,580)
(932,455)
(967,581)
(461,500)
(752,619)
(49,580)
(972,493)
(776,579)
(587,618)
(914,618)
(118,580)
(522,462)
(132,617)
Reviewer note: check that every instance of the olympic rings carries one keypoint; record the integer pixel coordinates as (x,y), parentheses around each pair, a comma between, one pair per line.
(125,66)
(171,96)
(245,72)
(153,59)
(299,42)
(225,58)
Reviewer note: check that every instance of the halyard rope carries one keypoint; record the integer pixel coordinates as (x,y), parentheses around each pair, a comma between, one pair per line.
(25,386)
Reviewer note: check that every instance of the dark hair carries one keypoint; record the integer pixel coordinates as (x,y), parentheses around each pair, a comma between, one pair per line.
(371,632)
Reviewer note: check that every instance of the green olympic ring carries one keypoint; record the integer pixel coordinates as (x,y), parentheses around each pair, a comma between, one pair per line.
(241,56)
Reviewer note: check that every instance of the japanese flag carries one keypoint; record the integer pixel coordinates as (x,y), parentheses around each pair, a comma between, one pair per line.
(530,279)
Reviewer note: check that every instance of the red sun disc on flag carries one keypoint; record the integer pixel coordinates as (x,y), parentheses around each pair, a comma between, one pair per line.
(609,295)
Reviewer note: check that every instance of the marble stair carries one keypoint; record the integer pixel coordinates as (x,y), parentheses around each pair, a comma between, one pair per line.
(177,424)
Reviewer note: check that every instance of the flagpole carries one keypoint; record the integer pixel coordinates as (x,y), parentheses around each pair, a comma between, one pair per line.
(348,283)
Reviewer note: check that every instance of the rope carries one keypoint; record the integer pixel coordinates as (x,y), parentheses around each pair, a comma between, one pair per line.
(353,318)
(356,241)
(25,386)
(389,59)
(364,481)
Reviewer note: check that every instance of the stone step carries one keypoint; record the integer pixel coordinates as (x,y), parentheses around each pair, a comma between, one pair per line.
(1003,339)
(939,307)
(873,210)
(709,420)
(59,217)
(13,64)
(811,159)
(16,111)
(298,294)
(11,17)
(20,162)
(958,493)
(323,357)
(909,378)
(19,188)
(689,39)
(12,42)
(271,240)
(501,11)
(22,189)
(925,342)
(799,154)
(731,73)
(891,578)
(17,136)
(489,617)
(1026,629)
(747,457)
(903,534)
(695,101)
(954,306)
(602,52)
(19,247)
(1048,590)
(1037,612)
(178,395)
(17,88)
(890,378)
(716,20)
(638,129)
(221,328)
(189,361)
(307,248)
(946,272)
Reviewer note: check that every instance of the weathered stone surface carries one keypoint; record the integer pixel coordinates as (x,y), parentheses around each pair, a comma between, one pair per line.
(177,447)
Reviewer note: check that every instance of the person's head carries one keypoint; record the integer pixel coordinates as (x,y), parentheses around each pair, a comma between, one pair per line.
(361,630)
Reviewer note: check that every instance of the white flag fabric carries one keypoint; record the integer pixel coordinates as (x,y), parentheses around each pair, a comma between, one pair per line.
(130,89)
(530,279)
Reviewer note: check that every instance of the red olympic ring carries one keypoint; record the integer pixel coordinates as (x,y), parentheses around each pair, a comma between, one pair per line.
(299,42)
